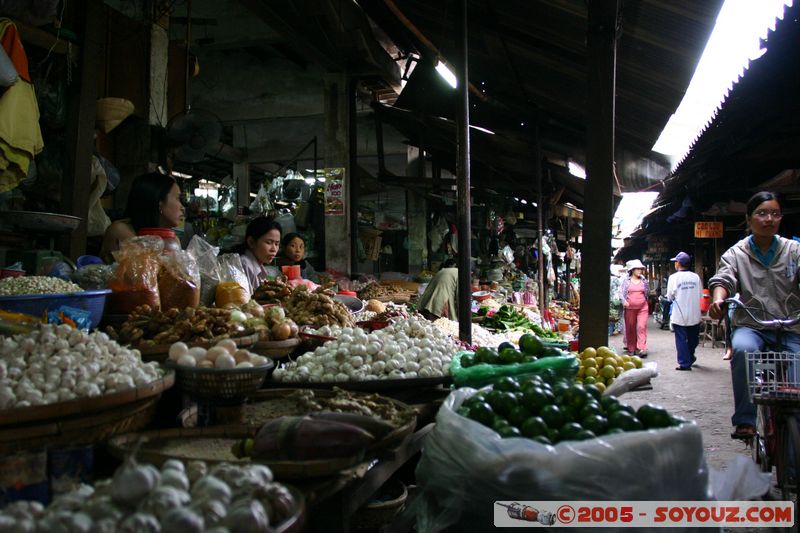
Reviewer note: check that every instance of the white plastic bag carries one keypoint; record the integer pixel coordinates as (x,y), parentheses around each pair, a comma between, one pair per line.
(466,467)
(741,480)
(630,379)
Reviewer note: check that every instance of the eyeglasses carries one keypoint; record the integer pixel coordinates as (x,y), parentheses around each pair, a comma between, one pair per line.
(777,215)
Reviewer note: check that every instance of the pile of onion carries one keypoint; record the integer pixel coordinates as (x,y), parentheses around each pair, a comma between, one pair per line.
(224,356)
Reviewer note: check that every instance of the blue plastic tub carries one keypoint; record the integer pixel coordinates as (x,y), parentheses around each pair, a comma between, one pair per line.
(37,304)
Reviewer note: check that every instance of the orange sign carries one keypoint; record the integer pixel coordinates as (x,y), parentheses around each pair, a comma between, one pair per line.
(708,230)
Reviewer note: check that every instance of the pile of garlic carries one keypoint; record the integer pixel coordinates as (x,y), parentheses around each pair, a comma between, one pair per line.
(58,363)
(224,356)
(408,349)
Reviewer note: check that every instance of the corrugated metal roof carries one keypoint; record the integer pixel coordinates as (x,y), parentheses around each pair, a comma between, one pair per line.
(530,59)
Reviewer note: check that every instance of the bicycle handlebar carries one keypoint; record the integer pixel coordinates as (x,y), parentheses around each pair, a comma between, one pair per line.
(775,323)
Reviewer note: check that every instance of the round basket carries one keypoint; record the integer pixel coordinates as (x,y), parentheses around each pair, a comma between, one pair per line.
(221,387)
(276,349)
(382,510)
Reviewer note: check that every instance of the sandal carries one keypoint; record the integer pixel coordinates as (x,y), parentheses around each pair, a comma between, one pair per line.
(744,432)
(727,356)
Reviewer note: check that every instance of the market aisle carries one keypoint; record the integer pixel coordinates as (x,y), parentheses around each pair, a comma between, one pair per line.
(703,395)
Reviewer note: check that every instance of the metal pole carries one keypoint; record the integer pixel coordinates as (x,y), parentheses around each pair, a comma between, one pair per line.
(463,172)
(602,53)
(568,261)
(354,180)
(539,218)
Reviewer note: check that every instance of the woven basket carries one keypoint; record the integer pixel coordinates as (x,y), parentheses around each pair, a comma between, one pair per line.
(221,387)
(379,513)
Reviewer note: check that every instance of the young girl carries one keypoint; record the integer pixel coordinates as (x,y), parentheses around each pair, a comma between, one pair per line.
(294,253)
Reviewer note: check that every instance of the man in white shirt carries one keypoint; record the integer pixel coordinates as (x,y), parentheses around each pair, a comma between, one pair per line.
(684,290)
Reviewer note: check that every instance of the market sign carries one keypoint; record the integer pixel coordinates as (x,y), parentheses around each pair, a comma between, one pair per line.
(708,230)
(334,191)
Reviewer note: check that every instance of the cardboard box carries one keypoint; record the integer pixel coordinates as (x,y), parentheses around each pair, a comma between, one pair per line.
(371,238)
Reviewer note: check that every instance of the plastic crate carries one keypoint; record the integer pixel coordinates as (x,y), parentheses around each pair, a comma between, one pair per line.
(773,375)
(38,304)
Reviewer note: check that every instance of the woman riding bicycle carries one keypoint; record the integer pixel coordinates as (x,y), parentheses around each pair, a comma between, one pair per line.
(763,269)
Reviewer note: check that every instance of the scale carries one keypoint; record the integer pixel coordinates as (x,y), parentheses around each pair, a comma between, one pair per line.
(47,224)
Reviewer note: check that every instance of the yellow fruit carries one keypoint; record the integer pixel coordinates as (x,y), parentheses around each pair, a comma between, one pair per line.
(589,361)
(609,381)
(601,387)
(579,380)
(588,352)
(605,351)
(626,358)
(637,361)
(607,371)
(617,370)
(600,362)
(589,380)
(581,371)
(591,371)
(628,366)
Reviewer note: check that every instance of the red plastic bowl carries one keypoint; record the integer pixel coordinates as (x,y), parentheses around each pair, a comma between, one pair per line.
(481,295)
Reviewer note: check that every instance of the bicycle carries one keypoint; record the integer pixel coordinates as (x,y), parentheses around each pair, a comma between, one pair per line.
(775,390)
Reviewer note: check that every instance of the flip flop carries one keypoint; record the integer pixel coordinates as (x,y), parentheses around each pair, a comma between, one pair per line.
(744,432)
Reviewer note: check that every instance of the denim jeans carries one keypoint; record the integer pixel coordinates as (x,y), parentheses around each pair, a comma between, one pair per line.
(686,339)
(751,340)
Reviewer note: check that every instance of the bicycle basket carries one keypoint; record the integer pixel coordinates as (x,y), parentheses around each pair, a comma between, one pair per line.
(773,375)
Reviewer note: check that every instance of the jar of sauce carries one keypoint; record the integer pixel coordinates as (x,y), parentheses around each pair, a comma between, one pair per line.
(171,242)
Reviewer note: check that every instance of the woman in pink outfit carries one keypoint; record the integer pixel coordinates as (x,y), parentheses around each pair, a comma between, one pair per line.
(633,293)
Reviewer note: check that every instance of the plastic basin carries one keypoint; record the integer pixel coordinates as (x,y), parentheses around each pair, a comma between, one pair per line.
(37,304)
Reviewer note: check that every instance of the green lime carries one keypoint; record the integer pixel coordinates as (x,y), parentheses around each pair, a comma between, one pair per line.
(585,435)
(590,409)
(654,416)
(532,380)
(509,432)
(533,427)
(559,388)
(552,416)
(624,420)
(535,399)
(467,360)
(531,344)
(499,423)
(507,384)
(482,412)
(569,430)
(597,424)
(502,402)
(576,396)
(613,431)
(505,346)
(552,434)
(570,413)
(609,403)
(594,391)
(548,375)
(529,359)
(486,355)
(541,439)
(509,356)
(518,415)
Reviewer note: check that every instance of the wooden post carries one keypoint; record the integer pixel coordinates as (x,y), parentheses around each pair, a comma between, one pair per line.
(80,135)
(539,219)
(241,169)
(354,181)
(337,154)
(463,186)
(602,51)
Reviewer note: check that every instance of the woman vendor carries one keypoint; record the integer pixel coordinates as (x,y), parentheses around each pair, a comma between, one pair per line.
(294,253)
(154,201)
(261,242)
(440,298)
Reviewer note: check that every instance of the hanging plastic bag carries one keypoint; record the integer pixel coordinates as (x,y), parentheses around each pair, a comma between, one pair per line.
(179,281)
(261,204)
(234,287)
(135,281)
(205,255)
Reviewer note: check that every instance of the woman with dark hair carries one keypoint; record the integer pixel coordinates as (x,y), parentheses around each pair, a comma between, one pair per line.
(294,253)
(763,269)
(262,239)
(154,201)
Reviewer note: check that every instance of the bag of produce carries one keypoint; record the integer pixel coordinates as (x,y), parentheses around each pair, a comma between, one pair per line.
(481,374)
(206,256)
(135,281)
(467,466)
(233,288)
(179,281)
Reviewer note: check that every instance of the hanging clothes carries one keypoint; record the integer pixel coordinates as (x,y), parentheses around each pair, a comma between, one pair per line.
(20,135)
